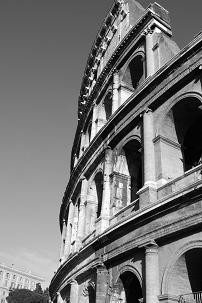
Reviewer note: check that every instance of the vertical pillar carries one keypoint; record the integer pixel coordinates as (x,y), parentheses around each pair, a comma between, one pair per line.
(59,298)
(82,213)
(148,193)
(149,53)
(105,211)
(94,121)
(74,292)
(101,284)
(69,229)
(62,249)
(115,98)
(149,159)
(152,272)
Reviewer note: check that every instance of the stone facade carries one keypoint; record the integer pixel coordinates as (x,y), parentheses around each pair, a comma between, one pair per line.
(131,215)
(12,277)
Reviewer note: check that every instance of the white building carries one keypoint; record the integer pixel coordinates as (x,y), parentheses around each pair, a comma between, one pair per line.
(12,277)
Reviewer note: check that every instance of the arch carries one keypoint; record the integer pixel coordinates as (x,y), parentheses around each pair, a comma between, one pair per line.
(65,294)
(179,140)
(94,200)
(127,288)
(127,172)
(134,72)
(182,259)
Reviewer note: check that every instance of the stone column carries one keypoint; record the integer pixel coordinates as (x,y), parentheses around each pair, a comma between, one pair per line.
(59,298)
(105,211)
(152,272)
(62,249)
(74,292)
(69,229)
(94,121)
(148,193)
(149,159)
(115,98)
(102,284)
(149,52)
(82,213)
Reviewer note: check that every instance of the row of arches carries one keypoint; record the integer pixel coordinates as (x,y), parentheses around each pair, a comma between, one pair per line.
(177,148)
(180,278)
(130,76)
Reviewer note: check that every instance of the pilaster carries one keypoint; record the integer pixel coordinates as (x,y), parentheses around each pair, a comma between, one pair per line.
(149,52)
(115,98)
(69,230)
(82,213)
(62,249)
(74,291)
(102,283)
(148,193)
(94,121)
(105,211)
(151,272)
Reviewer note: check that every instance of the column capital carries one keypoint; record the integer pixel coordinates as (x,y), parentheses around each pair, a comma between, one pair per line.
(99,265)
(147,110)
(73,282)
(107,147)
(82,178)
(150,244)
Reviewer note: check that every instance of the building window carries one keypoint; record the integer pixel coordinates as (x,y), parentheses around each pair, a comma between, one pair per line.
(5,283)
(12,285)
(14,277)
(7,275)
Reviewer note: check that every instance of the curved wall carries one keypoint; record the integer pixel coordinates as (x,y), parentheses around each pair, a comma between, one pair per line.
(134,194)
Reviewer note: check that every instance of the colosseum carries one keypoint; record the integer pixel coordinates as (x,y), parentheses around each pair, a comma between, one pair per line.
(131,216)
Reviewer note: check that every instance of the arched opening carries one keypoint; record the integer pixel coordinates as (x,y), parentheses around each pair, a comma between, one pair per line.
(91,294)
(99,190)
(134,162)
(180,142)
(135,72)
(75,224)
(65,294)
(127,289)
(136,67)
(94,202)
(185,276)
(108,105)
(127,174)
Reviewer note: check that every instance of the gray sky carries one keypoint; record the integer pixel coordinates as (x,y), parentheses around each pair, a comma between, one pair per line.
(44,46)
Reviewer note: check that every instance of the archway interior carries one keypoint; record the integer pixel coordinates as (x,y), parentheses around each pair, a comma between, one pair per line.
(130,290)
(188,121)
(91,294)
(134,162)
(65,294)
(181,148)
(185,276)
(108,105)
(135,72)
(99,190)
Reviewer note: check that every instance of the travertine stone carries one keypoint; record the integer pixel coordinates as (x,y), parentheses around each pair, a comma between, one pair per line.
(115,99)
(149,160)
(149,53)
(74,292)
(69,230)
(152,272)
(105,211)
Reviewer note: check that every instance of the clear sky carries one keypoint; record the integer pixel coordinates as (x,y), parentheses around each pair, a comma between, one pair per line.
(44,45)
